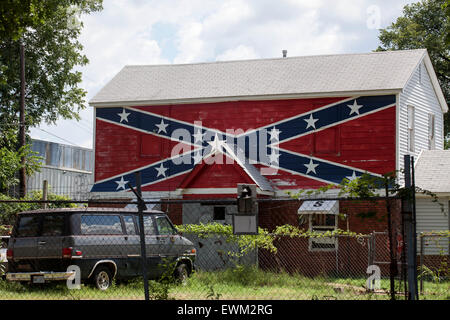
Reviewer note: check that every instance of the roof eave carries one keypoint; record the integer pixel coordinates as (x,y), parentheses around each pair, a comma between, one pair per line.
(134,103)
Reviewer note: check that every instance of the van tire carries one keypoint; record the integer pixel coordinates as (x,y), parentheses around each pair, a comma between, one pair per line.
(102,277)
(181,273)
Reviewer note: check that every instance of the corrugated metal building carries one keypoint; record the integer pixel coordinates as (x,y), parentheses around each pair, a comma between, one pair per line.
(68,169)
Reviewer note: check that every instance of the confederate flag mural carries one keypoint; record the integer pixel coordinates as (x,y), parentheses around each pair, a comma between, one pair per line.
(277,144)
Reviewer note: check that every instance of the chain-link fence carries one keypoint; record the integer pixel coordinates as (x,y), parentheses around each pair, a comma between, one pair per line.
(305,249)
(434,267)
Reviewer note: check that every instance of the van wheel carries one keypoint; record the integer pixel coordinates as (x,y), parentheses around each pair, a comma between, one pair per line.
(102,278)
(182,273)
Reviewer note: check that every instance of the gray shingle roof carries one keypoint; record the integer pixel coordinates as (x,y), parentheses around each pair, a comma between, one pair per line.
(389,70)
(432,170)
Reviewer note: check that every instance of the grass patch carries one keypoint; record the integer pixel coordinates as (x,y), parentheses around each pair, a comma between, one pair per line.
(240,283)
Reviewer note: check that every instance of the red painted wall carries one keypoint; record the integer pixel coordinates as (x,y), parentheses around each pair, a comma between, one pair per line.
(367,143)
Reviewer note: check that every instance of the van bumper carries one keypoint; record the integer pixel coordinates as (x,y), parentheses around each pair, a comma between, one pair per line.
(47,276)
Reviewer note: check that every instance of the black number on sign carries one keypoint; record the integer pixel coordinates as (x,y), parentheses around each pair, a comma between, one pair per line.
(318,204)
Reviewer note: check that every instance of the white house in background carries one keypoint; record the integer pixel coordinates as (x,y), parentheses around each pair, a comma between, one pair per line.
(432,173)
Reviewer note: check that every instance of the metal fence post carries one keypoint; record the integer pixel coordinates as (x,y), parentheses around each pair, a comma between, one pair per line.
(141,207)
(392,258)
(421,261)
(414,225)
(408,216)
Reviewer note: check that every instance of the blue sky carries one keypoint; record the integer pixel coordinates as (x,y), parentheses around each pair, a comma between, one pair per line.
(131,32)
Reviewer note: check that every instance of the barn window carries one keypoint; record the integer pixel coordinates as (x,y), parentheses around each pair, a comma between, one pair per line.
(148,146)
(326,142)
(431,131)
(411,125)
(219,213)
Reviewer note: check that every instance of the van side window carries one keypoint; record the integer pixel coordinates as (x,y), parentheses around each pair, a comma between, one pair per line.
(149,228)
(164,227)
(53,225)
(129,224)
(28,226)
(101,224)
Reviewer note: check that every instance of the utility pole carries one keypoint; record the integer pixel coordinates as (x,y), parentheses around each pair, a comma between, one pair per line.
(22,174)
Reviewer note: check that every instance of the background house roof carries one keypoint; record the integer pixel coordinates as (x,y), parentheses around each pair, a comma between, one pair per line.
(284,77)
(432,171)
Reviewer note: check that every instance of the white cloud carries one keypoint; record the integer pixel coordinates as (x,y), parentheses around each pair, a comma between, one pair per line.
(241,52)
(190,45)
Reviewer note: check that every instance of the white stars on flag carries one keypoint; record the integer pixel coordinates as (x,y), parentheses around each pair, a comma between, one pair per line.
(216,144)
(274,157)
(162,126)
(352,177)
(354,108)
(198,136)
(311,166)
(274,134)
(161,171)
(123,116)
(311,122)
(121,183)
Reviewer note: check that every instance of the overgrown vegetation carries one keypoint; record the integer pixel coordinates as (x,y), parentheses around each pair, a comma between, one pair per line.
(263,240)
(242,282)
(440,272)
(9,210)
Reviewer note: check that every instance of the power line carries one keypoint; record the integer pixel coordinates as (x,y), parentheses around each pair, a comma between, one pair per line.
(59,137)
(82,127)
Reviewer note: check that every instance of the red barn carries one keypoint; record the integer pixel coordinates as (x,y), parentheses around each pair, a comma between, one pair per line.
(197,130)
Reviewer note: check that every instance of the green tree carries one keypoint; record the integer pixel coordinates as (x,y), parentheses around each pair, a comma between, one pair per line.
(10,163)
(18,15)
(446,8)
(424,25)
(49,31)
(52,53)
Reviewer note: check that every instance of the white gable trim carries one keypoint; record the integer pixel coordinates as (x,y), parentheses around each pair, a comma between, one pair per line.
(435,82)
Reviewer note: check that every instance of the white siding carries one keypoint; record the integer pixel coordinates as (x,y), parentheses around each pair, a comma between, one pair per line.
(429,217)
(420,94)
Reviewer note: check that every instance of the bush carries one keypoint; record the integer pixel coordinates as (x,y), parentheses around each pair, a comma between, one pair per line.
(9,210)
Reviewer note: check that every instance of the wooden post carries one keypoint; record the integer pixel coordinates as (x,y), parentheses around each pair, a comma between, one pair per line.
(44,193)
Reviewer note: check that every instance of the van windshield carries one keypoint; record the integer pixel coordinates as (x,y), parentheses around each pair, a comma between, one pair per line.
(164,227)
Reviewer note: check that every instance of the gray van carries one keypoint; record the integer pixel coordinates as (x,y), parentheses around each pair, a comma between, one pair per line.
(103,242)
